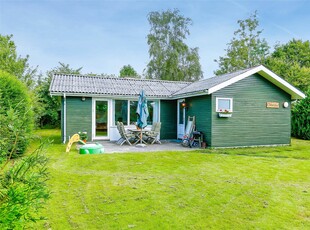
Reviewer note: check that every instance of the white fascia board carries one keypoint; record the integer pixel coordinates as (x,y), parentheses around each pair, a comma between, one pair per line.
(281,83)
(269,75)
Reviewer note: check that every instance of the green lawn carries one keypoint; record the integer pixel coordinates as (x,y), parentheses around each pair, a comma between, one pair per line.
(250,188)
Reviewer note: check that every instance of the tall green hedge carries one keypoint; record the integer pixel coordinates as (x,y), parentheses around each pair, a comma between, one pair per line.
(301,118)
(16,116)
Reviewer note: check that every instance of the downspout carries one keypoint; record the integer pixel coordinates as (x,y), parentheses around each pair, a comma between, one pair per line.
(158,112)
(65,119)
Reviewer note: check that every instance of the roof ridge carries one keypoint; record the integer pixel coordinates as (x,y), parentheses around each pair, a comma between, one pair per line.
(207,80)
(237,71)
(184,87)
(120,78)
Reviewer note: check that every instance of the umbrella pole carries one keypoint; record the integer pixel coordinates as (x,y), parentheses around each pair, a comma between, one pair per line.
(141,144)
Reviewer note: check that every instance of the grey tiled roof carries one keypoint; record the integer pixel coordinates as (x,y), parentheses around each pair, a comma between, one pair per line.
(95,85)
(206,84)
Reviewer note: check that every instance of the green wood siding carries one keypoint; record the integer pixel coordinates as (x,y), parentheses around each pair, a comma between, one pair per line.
(168,118)
(201,108)
(79,116)
(251,122)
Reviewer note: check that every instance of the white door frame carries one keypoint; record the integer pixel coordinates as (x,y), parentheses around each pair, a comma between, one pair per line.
(180,127)
(109,102)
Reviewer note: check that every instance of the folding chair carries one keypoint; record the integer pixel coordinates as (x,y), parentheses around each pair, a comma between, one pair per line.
(153,135)
(188,136)
(125,137)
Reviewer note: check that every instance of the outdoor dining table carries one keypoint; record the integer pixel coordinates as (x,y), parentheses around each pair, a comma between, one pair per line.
(139,135)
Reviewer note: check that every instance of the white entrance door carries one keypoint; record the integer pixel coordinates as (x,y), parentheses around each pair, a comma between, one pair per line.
(101,119)
(181,119)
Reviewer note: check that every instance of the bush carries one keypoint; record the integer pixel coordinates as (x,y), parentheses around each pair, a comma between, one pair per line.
(16,116)
(48,107)
(301,118)
(23,188)
(23,191)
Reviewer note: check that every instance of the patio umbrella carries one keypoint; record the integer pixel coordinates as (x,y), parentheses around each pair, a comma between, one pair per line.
(142,112)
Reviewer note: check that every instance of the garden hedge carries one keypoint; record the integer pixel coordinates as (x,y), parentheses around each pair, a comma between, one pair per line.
(301,118)
(16,115)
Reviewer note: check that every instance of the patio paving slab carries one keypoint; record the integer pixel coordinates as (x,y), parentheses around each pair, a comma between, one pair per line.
(167,145)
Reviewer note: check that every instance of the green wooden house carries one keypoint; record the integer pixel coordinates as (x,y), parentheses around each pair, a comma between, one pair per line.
(250,107)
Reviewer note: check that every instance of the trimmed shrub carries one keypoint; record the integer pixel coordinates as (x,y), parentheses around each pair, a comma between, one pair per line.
(24,191)
(301,118)
(16,116)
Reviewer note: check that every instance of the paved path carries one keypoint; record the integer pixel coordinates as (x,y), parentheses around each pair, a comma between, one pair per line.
(112,147)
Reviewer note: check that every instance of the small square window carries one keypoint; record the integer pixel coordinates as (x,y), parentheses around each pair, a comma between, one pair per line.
(224,104)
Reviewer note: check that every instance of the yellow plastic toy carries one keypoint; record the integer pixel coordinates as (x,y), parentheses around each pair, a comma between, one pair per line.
(73,139)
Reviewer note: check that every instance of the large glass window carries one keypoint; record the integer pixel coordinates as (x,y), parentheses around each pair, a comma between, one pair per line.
(224,104)
(121,111)
(150,107)
(133,110)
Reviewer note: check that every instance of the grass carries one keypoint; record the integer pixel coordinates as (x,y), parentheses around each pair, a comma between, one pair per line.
(249,188)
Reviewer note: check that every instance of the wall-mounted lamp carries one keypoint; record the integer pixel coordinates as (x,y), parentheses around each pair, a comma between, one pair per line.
(83,99)
(285,104)
(184,105)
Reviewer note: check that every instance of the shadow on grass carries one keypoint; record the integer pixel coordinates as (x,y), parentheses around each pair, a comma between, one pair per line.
(281,152)
(51,134)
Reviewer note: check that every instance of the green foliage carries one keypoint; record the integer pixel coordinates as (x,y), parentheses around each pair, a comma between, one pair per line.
(128,71)
(292,62)
(83,135)
(171,58)
(14,64)
(63,69)
(301,118)
(16,116)
(48,108)
(13,140)
(23,191)
(22,181)
(246,49)
(294,51)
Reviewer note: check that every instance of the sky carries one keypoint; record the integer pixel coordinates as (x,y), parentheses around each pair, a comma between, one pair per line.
(103,36)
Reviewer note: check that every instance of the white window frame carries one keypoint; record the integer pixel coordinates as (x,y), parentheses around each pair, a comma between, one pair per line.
(224,98)
(156,110)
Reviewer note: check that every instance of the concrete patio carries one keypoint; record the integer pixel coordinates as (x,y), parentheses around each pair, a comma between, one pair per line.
(167,145)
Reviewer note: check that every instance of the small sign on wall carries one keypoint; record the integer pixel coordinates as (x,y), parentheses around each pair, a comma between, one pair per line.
(274,105)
